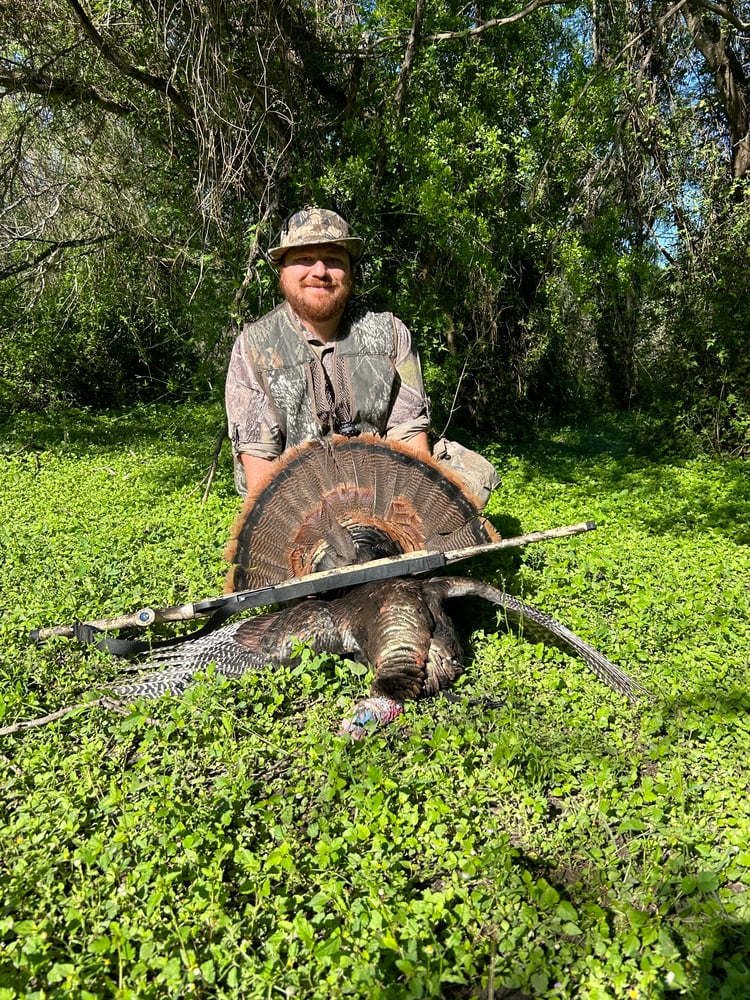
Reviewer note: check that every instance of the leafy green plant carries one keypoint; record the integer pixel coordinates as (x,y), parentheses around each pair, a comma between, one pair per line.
(536,836)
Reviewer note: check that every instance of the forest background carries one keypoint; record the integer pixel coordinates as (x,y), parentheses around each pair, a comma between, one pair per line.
(554,198)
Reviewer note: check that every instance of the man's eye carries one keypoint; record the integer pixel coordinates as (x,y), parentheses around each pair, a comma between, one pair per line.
(330,263)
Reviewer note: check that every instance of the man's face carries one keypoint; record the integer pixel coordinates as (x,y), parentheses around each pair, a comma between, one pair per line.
(316,281)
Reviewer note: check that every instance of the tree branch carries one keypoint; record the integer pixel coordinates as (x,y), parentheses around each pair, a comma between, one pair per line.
(730,78)
(729,16)
(105,702)
(30,265)
(62,90)
(478,29)
(399,99)
(409,56)
(304,45)
(499,22)
(156,83)
(255,251)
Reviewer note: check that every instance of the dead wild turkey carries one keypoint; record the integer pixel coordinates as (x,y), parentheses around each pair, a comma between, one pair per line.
(399,627)
(333,505)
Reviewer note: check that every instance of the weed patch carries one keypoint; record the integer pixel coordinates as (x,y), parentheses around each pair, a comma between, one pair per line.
(537,836)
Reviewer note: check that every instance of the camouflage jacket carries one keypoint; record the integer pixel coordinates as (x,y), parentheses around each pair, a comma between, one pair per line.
(284,386)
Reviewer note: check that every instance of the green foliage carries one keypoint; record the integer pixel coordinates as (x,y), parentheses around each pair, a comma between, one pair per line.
(454,252)
(547,203)
(708,374)
(229,844)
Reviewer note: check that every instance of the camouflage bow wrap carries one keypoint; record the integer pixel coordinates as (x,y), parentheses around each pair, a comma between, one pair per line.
(312,227)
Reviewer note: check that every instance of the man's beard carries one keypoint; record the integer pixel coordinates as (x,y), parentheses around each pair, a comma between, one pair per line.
(317,310)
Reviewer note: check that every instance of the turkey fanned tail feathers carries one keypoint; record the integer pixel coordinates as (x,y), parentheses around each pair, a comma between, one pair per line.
(332,504)
(398,627)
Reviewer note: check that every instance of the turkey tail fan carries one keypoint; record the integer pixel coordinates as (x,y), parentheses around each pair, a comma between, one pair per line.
(345,501)
(541,628)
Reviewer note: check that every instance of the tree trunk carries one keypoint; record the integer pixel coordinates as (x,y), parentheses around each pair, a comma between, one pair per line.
(712,40)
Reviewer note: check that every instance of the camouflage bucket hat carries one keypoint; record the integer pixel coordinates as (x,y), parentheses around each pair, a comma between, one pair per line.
(316,225)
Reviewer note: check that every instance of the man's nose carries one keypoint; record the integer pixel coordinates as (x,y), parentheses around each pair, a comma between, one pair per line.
(319,268)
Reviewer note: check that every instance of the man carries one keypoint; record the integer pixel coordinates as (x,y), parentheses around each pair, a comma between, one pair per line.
(320,363)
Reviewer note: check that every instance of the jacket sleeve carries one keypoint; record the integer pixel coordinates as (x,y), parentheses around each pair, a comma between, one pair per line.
(252,425)
(410,412)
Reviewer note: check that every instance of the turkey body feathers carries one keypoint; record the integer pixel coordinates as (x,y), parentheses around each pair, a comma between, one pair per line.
(399,628)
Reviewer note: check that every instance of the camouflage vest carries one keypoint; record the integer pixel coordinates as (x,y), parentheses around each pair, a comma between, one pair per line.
(355,398)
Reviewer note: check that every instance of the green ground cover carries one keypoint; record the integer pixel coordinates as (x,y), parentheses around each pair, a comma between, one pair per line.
(229,844)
